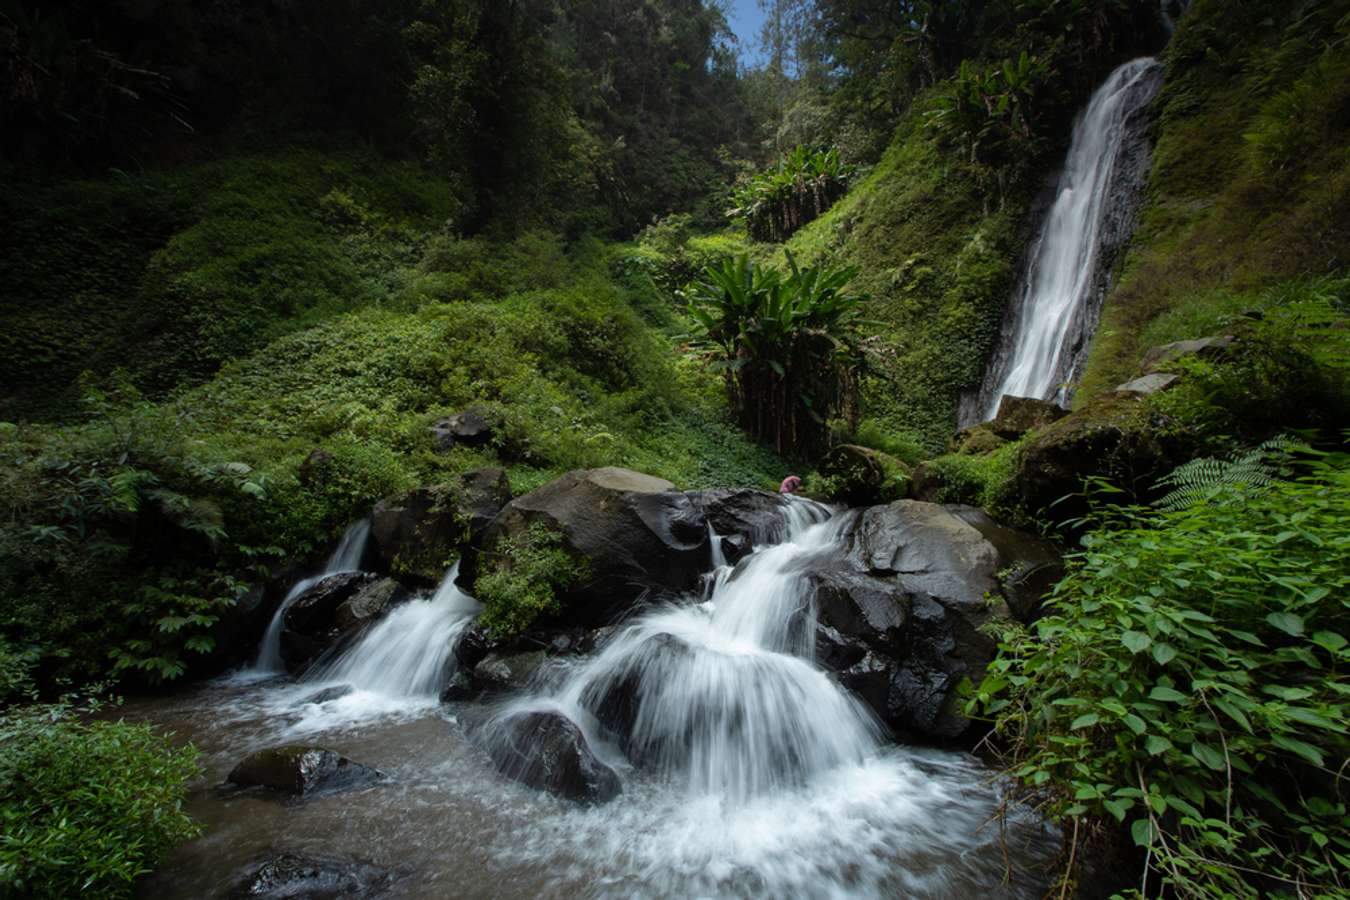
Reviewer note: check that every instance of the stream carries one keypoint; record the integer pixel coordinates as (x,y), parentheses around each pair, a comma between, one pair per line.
(759,775)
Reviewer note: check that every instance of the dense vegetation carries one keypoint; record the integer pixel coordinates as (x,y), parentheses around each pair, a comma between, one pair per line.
(234,235)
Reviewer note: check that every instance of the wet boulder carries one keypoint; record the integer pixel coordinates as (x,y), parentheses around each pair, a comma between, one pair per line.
(616,699)
(310,623)
(299,772)
(901,605)
(631,532)
(1214,347)
(507,671)
(289,876)
(742,517)
(419,533)
(547,751)
(368,604)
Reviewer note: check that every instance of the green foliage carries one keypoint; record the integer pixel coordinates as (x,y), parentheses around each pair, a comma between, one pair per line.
(522,578)
(981,480)
(1190,683)
(778,202)
(985,112)
(88,807)
(788,347)
(1205,477)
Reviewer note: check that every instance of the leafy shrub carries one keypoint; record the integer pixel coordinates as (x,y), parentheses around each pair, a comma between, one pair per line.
(522,579)
(88,807)
(778,202)
(1190,682)
(788,347)
(980,480)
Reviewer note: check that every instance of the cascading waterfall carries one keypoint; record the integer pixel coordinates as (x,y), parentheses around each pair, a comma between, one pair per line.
(410,651)
(1056,308)
(725,695)
(346,558)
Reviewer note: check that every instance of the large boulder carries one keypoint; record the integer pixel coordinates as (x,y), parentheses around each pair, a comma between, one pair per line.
(633,533)
(1214,347)
(419,533)
(310,623)
(289,876)
(547,751)
(1119,437)
(301,772)
(902,604)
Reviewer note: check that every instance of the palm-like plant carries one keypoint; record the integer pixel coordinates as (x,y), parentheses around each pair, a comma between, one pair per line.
(788,346)
(800,188)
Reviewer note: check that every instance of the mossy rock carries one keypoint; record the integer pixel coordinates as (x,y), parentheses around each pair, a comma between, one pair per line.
(1120,438)
(861,476)
(976,440)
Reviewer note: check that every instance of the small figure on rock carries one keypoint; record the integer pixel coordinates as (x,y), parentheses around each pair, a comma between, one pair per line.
(790,485)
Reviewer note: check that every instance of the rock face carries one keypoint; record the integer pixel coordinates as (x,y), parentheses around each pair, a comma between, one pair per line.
(1147,385)
(301,772)
(311,621)
(418,533)
(634,532)
(900,607)
(289,876)
(547,751)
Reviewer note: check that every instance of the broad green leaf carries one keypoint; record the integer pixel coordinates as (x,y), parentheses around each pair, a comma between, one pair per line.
(1288,622)
(1305,750)
(1167,695)
(1135,641)
(1156,744)
(1085,721)
(1207,755)
(1164,653)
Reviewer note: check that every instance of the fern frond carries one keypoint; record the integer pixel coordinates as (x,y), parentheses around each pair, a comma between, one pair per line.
(1204,478)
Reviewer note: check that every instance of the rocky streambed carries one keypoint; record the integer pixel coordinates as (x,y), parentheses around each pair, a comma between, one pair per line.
(745,695)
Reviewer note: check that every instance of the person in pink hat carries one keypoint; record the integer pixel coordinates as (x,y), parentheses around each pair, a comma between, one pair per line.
(790,485)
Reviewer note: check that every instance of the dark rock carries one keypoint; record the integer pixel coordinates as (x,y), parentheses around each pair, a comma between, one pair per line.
(1029,567)
(735,547)
(325,694)
(289,876)
(1215,347)
(310,624)
(1148,385)
(1018,415)
(633,532)
(460,687)
(860,475)
(926,484)
(300,772)
(547,751)
(901,607)
(315,467)
(508,671)
(470,428)
(742,515)
(368,603)
(474,644)
(419,533)
(858,605)
(1117,437)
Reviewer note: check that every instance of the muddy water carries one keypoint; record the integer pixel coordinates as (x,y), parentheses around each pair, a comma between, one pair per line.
(903,823)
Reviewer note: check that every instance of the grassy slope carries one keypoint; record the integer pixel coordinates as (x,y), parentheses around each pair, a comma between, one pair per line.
(1251,178)
(938,266)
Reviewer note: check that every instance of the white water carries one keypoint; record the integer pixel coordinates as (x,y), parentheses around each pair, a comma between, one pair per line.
(1063,268)
(409,652)
(346,558)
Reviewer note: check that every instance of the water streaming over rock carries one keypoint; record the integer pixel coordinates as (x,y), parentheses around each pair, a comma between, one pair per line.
(345,558)
(747,771)
(1055,308)
(408,653)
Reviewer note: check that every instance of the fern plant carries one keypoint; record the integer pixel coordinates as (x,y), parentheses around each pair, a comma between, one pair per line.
(1204,478)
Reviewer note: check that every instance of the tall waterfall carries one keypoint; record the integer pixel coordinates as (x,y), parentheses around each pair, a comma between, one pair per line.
(1055,310)
(346,558)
